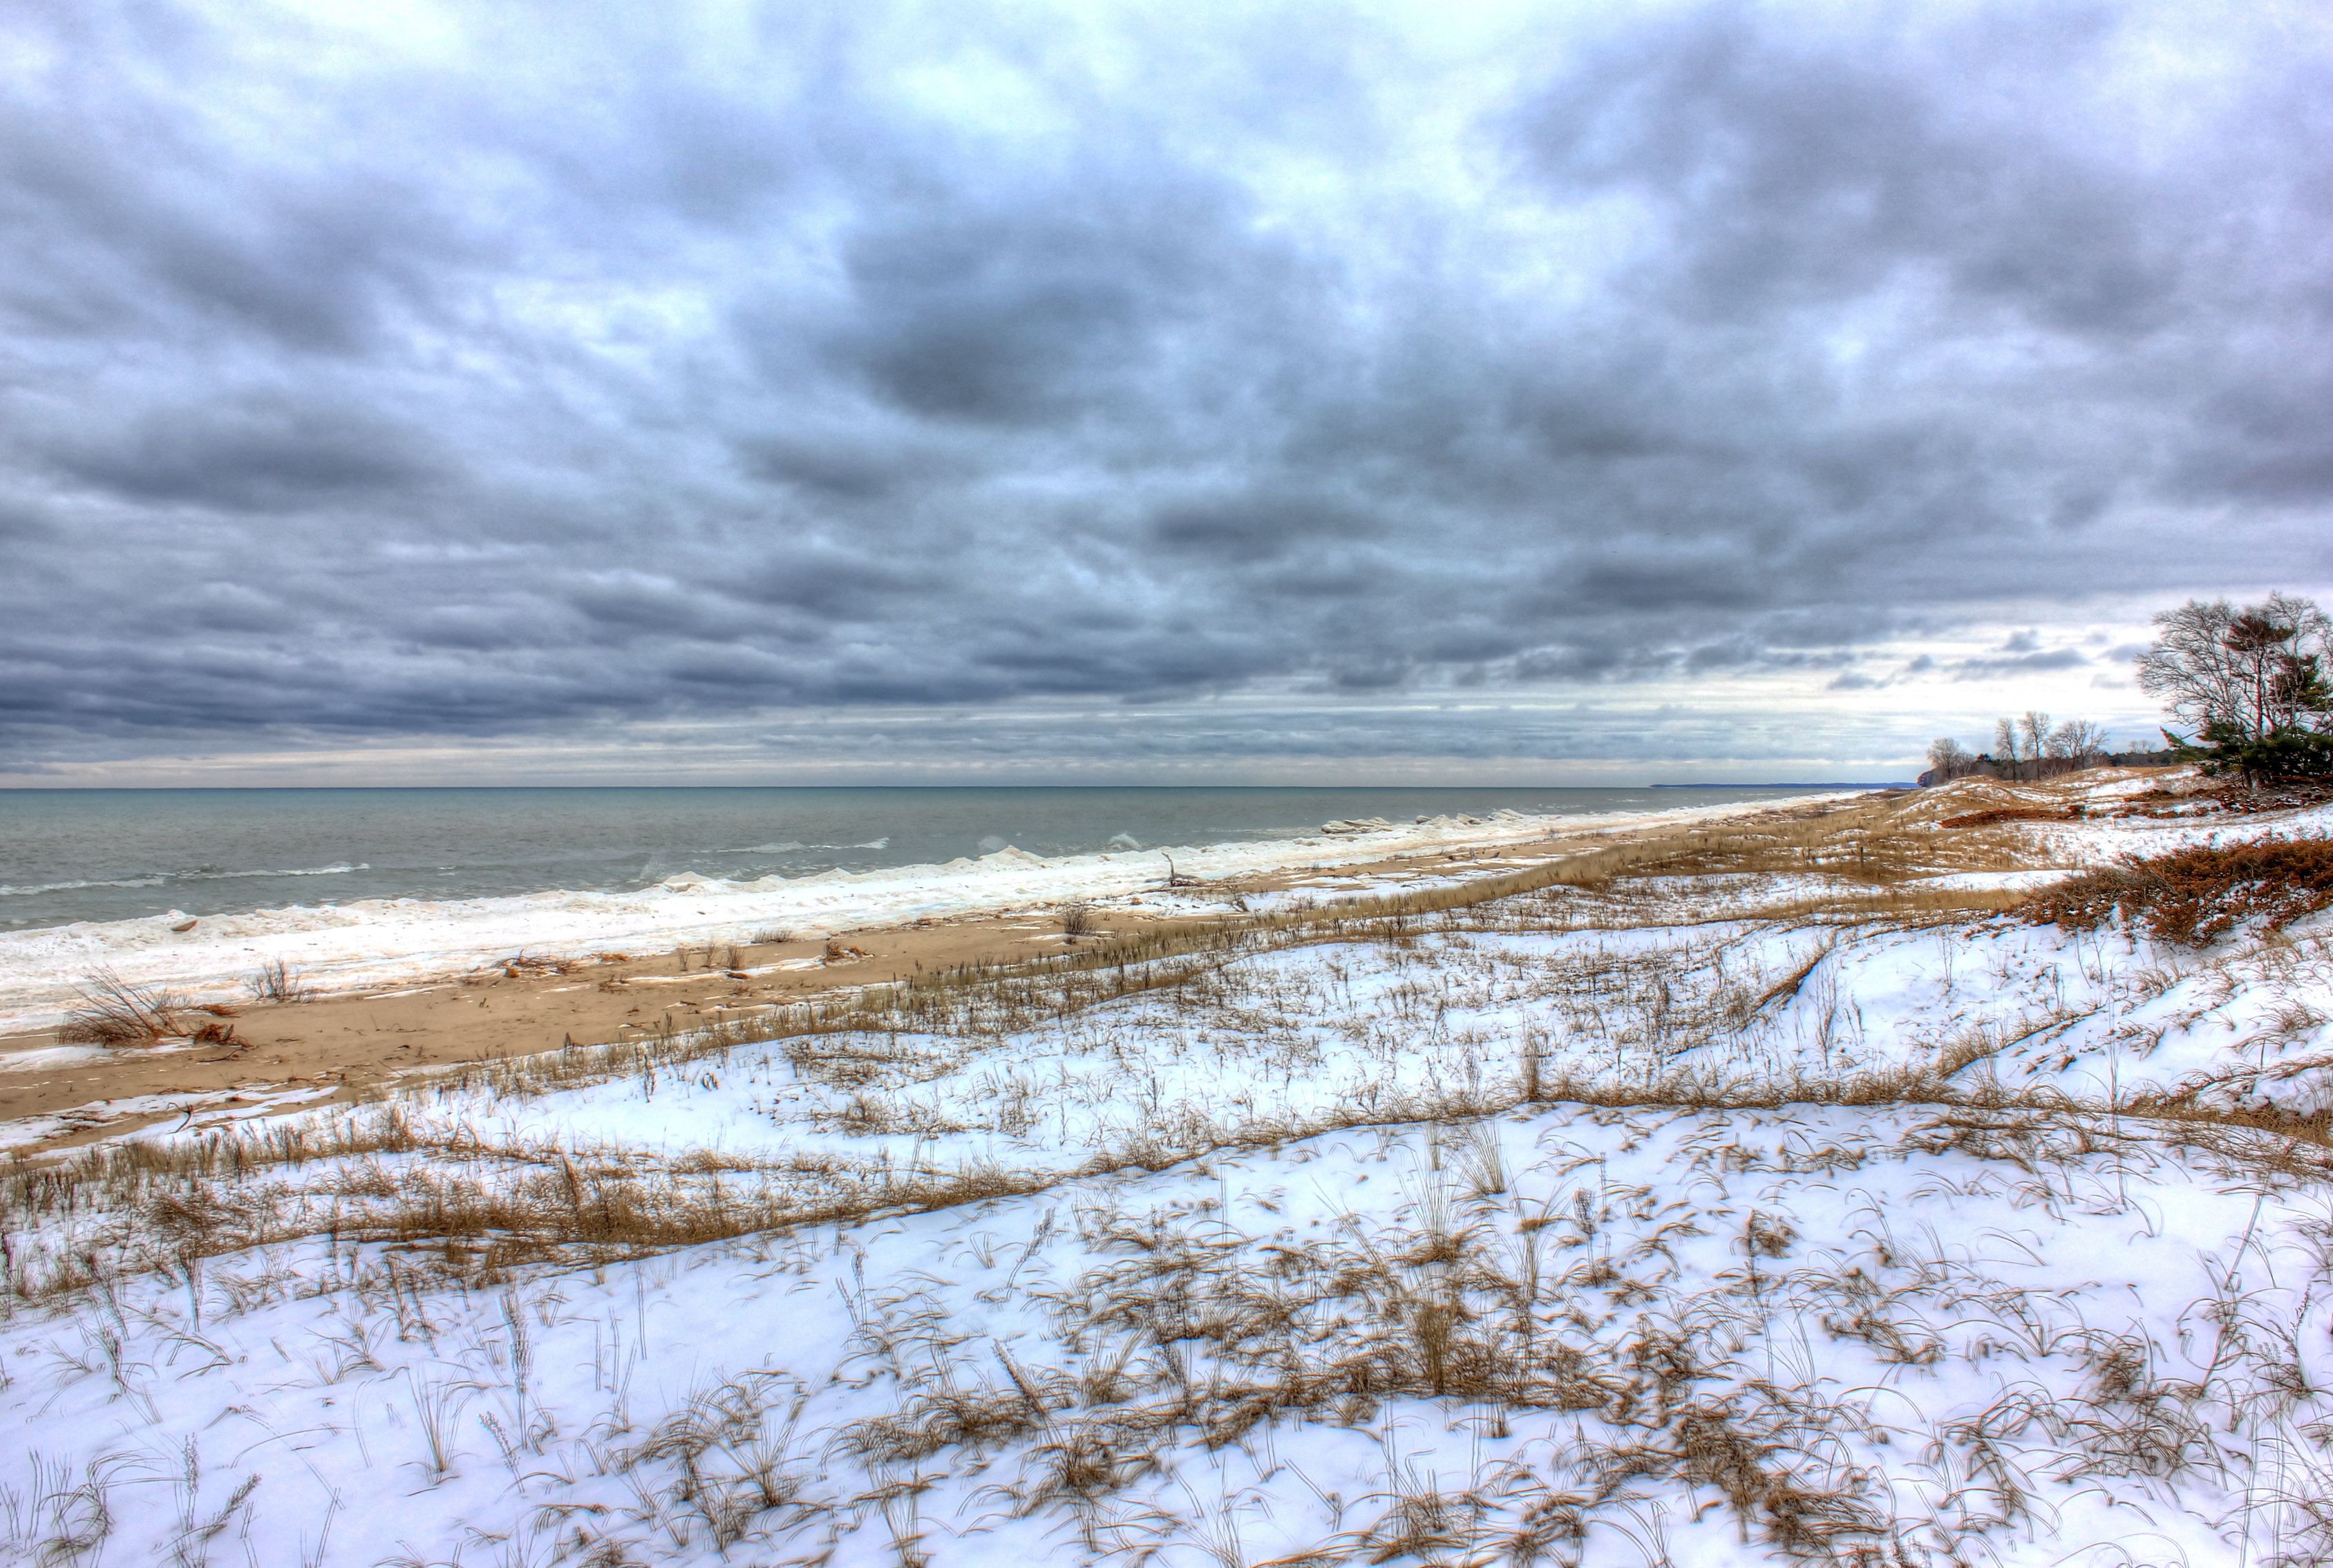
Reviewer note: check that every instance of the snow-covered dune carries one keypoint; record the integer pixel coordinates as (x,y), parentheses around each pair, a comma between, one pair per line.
(1595,1226)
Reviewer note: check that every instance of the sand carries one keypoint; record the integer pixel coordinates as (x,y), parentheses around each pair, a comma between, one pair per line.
(346,1043)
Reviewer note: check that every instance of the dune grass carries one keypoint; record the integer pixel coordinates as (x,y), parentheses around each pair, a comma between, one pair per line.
(1623,1356)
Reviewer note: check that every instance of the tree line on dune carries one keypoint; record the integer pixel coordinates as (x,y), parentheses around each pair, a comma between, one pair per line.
(2246,686)
(2029,746)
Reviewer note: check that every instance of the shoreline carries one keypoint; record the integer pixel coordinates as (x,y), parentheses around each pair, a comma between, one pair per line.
(370,944)
(226,853)
(356,1042)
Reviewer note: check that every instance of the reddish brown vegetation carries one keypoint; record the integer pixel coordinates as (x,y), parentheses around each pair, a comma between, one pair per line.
(2198,895)
(2011,815)
(2232,799)
(2276,795)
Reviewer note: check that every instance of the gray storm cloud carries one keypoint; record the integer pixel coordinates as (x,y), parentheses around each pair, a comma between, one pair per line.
(585,368)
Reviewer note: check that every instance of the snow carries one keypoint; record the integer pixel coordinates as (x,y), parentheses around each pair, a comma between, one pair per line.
(1291,1266)
(563,1409)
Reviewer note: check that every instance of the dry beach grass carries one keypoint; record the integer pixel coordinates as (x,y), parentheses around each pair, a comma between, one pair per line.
(1721,1195)
(291,1037)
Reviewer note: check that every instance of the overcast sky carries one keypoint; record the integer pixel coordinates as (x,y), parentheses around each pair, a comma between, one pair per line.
(1546,393)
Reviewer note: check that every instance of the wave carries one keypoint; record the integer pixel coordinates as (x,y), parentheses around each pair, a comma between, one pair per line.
(163,879)
(789,846)
(297,871)
(9,893)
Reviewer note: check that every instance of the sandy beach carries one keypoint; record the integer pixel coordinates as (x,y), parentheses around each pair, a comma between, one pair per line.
(378,944)
(400,987)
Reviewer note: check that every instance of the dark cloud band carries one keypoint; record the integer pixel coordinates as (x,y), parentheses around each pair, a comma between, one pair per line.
(480,382)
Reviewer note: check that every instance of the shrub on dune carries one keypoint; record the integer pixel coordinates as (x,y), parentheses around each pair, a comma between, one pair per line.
(2196,896)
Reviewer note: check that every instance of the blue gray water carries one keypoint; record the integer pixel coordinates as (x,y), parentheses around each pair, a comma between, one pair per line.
(115,855)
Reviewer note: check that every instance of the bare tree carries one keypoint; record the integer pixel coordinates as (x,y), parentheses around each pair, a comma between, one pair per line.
(2004,743)
(2240,674)
(1947,759)
(2033,729)
(2079,742)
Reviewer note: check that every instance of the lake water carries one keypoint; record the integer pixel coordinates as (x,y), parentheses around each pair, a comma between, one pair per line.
(68,855)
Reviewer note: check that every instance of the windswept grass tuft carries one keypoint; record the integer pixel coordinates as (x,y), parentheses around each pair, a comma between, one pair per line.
(2196,896)
(277,981)
(116,1014)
